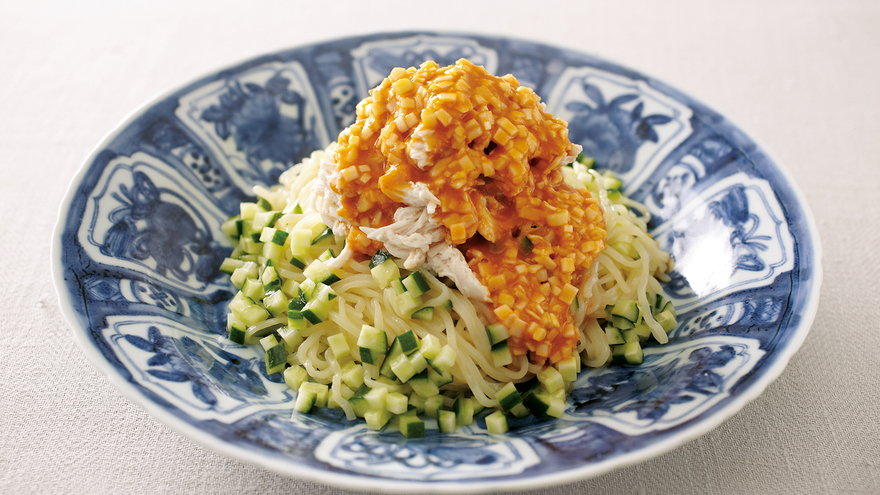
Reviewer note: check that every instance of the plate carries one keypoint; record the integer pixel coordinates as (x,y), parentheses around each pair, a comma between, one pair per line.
(138,243)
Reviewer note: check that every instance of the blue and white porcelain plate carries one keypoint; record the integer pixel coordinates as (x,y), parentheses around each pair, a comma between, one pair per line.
(138,245)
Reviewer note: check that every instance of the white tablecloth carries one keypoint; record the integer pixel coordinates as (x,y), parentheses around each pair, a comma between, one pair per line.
(799,76)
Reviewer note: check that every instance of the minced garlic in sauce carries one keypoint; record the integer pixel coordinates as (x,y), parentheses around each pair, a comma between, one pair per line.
(491,154)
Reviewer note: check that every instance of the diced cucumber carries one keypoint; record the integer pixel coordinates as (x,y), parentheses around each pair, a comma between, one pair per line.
(353,375)
(372,344)
(295,319)
(430,346)
(464,411)
(551,378)
(555,405)
(379,258)
(519,411)
(253,289)
(264,204)
(324,235)
(305,401)
(626,308)
(409,343)
(274,236)
(508,397)
(394,353)
(295,376)
(289,287)
(447,304)
(319,305)
(568,369)
(496,423)
(385,272)
(271,280)
(244,272)
(529,387)
(433,406)
(236,329)
(642,330)
(630,336)
(423,386)
(411,427)
(501,355)
(445,359)
(408,302)
(632,352)
(250,246)
(396,403)
(618,353)
(418,403)
(268,342)
(358,401)
(321,392)
(231,227)
(537,404)
(246,310)
(613,335)
(273,253)
(320,274)
(306,289)
(425,313)
(339,346)
(300,243)
(248,210)
(446,421)
(291,337)
(264,219)
(229,265)
(276,354)
(497,333)
(667,320)
(621,322)
(415,283)
(298,261)
(440,379)
(401,366)
(397,285)
(275,303)
(376,397)
(418,362)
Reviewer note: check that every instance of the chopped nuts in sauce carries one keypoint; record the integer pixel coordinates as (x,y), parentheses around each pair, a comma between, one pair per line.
(492,155)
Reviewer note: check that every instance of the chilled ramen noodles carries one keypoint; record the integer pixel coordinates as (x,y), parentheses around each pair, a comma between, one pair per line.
(452,252)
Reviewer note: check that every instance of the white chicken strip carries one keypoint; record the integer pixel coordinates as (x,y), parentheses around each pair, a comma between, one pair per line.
(413,236)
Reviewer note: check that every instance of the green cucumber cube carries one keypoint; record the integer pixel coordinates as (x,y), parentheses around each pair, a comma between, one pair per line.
(295,376)
(497,333)
(372,344)
(396,403)
(411,427)
(446,421)
(501,355)
(496,423)
(339,346)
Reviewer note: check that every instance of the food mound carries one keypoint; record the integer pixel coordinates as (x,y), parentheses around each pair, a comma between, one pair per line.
(460,170)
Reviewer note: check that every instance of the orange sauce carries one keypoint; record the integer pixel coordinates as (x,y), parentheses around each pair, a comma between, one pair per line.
(487,149)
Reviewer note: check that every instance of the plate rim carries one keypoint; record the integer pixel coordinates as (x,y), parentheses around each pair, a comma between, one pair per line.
(702,426)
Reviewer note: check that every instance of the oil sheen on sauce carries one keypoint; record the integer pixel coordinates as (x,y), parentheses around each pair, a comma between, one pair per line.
(487,149)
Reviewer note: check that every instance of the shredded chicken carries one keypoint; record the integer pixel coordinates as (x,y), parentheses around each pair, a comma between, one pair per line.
(413,236)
